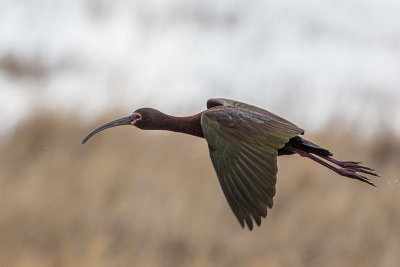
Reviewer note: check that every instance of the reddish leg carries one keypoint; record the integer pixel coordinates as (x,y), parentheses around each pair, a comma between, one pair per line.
(346,170)
(352,165)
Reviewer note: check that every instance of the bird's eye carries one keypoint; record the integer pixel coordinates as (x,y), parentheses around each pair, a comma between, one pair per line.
(138,116)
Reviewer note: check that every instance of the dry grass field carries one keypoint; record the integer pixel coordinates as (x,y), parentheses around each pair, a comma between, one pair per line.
(135,198)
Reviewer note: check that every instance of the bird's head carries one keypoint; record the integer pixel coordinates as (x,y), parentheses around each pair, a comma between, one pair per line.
(143,118)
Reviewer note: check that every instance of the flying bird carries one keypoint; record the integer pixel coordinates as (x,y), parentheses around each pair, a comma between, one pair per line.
(244,142)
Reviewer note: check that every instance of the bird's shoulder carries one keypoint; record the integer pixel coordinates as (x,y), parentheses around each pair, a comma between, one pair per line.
(219,105)
(233,114)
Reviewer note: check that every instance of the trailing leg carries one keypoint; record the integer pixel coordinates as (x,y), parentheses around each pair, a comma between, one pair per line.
(348,168)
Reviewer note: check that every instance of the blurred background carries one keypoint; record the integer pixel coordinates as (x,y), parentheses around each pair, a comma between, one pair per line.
(133,198)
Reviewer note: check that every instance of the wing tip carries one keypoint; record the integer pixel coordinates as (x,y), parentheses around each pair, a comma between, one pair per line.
(250,224)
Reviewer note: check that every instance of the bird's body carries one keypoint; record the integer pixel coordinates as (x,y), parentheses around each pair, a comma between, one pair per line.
(244,142)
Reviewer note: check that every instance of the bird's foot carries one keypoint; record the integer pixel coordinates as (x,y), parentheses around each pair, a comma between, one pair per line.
(349,169)
(352,173)
(353,166)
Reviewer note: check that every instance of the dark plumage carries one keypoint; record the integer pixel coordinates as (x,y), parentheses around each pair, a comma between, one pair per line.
(244,142)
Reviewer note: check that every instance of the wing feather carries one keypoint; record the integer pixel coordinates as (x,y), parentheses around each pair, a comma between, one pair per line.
(266,191)
(243,149)
(215,102)
(233,203)
(248,195)
(245,208)
(256,192)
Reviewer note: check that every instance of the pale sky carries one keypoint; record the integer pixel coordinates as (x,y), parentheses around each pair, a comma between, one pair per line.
(305,61)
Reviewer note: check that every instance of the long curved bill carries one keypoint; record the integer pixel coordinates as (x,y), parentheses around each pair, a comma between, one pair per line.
(119,122)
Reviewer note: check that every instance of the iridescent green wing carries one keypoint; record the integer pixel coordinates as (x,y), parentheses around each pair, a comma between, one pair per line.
(243,149)
(214,102)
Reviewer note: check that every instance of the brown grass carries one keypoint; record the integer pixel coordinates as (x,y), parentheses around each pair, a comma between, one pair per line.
(134,198)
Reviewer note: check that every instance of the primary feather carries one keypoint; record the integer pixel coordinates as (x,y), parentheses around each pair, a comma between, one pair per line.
(243,147)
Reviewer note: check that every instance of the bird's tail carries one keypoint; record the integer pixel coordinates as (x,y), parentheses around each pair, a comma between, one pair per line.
(351,169)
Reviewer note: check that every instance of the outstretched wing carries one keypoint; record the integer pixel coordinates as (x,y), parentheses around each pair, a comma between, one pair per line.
(243,149)
(214,102)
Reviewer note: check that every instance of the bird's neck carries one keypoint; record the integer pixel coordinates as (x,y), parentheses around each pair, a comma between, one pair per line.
(188,125)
